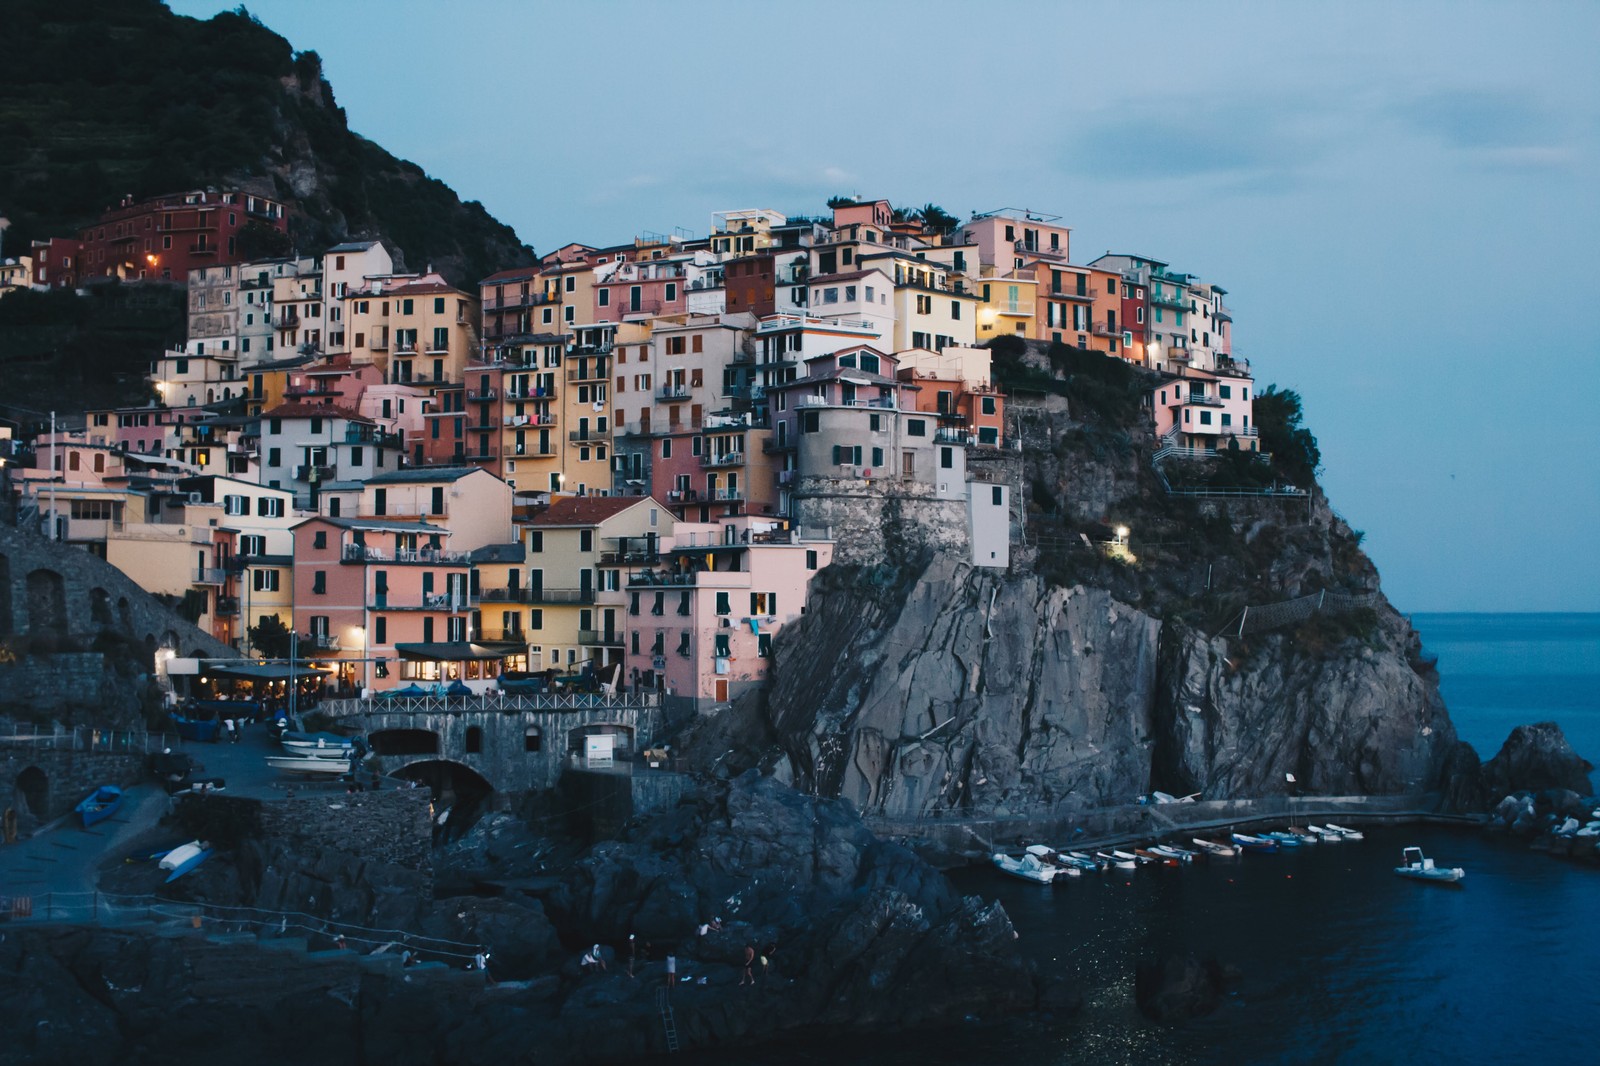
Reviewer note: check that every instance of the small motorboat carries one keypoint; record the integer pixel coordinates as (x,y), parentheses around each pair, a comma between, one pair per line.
(1285,840)
(1347,834)
(1051,857)
(1126,856)
(99,805)
(1255,843)
(1151,857)
(183,859)
(1324,834)
(1087,861)
(309,764)
(1168,851)
(1415,865)
(1027,868)
(1120,860)
(1214,847)
(1306,836)
(320,744)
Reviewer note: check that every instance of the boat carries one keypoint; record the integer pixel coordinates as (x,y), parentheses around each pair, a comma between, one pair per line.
(1170,852)
(181,860)
(99,805)
(1087,861)
(1027,868)
(1348,834)
(1126,856)
(1285,840)
(1154,858)
(1324,834)
(199,729)
(309,764)
(1051,857)
(1214,847)
(1306,836)
(1117,859)
(330,744)
(1415,865)
(1254,843)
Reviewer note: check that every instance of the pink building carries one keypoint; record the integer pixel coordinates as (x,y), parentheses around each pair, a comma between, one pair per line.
(1008,238)
(386,603)
(1205,410)
(701,626)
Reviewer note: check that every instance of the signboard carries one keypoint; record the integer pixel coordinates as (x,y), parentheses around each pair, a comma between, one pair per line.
(658,663)
(598,750)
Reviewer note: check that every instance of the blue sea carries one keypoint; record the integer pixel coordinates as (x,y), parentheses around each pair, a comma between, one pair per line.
(1340,961)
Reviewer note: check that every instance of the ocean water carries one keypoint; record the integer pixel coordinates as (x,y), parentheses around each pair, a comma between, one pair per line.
(1498,671)
(1340,960)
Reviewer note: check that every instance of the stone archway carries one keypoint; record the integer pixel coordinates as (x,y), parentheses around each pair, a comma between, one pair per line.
(34,786)
(47,603)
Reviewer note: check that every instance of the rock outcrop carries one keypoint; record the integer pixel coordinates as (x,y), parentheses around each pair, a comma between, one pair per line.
(982,692)
(1534,758)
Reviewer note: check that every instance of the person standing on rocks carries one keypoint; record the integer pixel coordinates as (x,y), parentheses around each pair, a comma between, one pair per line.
(672,970)
(749,957)
(633,952)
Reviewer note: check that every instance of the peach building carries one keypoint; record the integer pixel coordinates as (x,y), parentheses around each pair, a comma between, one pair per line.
(1206,410)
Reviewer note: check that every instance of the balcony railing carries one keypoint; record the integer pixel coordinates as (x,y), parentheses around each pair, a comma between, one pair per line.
(440,601)
(533,450)
(725,459)
(378,438)
(595,436)
(503,636)
(210,575)
(360,553)
(594,372)
(1203,401)
(481,395)
(536,595)
(673,392)
(727,495)
(600,638)
(1028,248)
(319,641)
(227,606)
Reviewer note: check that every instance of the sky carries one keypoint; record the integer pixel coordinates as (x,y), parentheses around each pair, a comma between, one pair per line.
(1399,197)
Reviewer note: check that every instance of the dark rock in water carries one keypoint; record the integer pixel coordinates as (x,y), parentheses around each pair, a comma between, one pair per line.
(1536,757)
(1177,988)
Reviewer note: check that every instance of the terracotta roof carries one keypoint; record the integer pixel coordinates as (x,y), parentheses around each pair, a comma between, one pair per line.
(509,275)
(583,510)
(420,288)
(315,410)
(851,276)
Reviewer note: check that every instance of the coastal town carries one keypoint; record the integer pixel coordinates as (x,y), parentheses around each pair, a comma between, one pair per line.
(617,466)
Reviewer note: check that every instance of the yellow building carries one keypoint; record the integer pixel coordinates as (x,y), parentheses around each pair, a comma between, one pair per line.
(419,329)
(578,553)
(1008,306)
(932,308)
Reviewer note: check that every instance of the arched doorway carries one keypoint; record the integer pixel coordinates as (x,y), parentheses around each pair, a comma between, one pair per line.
(35,788)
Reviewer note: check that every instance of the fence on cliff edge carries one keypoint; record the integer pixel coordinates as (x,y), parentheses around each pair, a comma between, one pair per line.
(1293,612)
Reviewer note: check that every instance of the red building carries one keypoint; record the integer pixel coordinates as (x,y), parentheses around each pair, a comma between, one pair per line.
(752,284)
(161,238)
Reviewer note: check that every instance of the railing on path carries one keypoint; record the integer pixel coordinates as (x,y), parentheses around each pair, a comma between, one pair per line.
(83,738)
(506,703)
(1293,612)
(113,909)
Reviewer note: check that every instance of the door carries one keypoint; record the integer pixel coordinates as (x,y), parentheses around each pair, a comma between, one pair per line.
(586,584)
(722,690)
(535,586)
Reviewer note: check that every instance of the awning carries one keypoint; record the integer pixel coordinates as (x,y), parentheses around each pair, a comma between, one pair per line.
(247,671)
(455,651)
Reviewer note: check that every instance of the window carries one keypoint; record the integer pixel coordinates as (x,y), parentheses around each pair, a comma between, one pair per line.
(947,458)
(724,606)
(319,582)
(438,305)
(269,507)
(586,540)
(999,496)
(536,618)
(764,645)
(436,505)
(955,305)
(235,505)
(380,629)
(1205,418)
(605,297)
(319,539)
(763,603)
(474,739)
(988,405)
(532,738)
(1225,391)
(535,540)
(672,291)
(916,427)
(264,580)
(721,649)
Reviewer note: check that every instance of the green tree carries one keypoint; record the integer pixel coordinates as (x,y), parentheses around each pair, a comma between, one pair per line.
(1294,450)
(937,218)
(270,638)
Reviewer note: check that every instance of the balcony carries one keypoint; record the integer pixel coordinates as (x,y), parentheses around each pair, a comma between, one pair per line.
(405,347)
(210,575)
(1029,248)
(589,436)
(481,395)
(435,601)
(360,553)
(1082,297)
(319,641)
(773,446)
(1176,301)
(672,392)
(950,436)
(723,460)
(536,595)
(596,371)
(227,606)
(733,495)
(379,341)
(313,472)
(503,636)
(1198,399)
(600,638)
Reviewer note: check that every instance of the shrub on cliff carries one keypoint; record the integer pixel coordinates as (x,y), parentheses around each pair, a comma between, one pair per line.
(1294,450)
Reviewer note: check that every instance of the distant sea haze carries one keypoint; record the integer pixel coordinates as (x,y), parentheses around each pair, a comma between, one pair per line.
(1499,671)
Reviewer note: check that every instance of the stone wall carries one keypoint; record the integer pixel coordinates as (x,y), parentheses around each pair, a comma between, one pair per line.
(882,519)
(388,826)
(36,686)
(44,784)
(51,588)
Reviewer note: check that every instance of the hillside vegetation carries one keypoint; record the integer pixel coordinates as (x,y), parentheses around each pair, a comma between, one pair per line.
(104,98)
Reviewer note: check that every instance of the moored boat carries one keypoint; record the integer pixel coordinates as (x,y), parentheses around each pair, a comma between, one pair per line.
(320,744)
(1306,836)
(1348,834)
(1118,859)
(1324,834)
(1027,868)
(1051,857)
(1214,847)
(1415,865)
(1152,857)
(1086,861)
(1126,856)
(192,855)
(1171,851)
(1255,843)
(309,764)
(1284,840)
(99,805)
